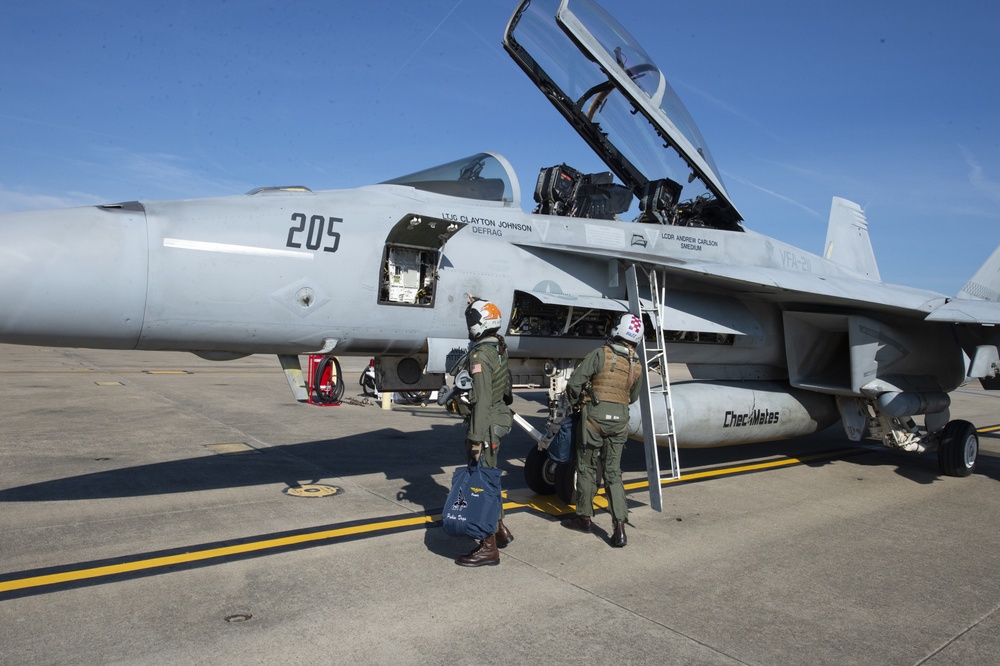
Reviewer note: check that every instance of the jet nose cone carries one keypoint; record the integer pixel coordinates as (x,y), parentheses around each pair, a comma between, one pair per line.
(74,277)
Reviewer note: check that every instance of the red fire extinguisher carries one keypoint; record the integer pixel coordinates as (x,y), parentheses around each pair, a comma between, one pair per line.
(325,380)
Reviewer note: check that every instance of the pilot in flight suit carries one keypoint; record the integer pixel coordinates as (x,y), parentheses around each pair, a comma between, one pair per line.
(490,417)
(607,380)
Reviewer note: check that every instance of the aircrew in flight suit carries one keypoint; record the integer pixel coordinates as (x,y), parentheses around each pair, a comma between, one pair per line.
(607,380)
(490,418)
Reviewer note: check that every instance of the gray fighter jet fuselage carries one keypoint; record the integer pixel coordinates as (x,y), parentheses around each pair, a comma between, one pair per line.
(780,342)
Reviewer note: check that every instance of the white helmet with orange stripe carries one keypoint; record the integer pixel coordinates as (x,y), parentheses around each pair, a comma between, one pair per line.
(482,317)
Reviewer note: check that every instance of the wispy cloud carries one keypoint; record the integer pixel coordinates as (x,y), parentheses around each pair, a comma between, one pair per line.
(978,177)
(424,43)
(23,199)
(774,194)
(161,175)
(168,171)
(732,110)
(123,176)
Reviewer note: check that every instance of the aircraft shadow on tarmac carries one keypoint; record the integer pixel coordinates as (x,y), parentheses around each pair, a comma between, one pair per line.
(414,457)
(924,469)
(420,459)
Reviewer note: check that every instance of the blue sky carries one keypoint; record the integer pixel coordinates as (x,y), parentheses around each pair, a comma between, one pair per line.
(893,105)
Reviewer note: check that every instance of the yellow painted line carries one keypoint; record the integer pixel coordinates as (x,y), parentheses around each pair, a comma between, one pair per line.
(553,506)
(770,464)
(549,505)
(231,448)
(211,553)
(989,429)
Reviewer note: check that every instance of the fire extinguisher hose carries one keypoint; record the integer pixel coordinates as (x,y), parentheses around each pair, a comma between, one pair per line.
(335,392)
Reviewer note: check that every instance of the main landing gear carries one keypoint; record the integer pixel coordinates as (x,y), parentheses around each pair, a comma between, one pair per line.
(540,471)
(957,443)
(546,476)
(958,449)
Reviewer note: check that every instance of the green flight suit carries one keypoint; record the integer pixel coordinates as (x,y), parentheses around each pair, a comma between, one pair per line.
(604,429)
(491,418)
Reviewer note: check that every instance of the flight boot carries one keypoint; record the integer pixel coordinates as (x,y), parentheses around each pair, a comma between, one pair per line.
(618,539)
(503,535)
(579,523)
(486,554)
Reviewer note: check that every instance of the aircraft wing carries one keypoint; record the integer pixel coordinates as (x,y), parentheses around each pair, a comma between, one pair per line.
(966,311)
(740,263)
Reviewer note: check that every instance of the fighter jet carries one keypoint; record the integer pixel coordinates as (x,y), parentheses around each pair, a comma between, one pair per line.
(779,342)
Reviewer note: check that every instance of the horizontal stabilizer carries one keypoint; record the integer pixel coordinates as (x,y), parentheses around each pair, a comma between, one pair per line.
(847,241)
(979,300)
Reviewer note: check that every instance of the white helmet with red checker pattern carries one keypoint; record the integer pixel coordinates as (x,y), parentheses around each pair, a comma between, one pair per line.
(629,329)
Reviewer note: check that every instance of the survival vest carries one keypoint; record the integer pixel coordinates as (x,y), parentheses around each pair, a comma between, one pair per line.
(615,380)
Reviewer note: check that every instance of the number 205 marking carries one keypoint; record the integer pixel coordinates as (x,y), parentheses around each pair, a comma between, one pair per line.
(320,229)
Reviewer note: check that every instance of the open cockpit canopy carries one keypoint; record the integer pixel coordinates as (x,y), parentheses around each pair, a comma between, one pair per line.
(618,100)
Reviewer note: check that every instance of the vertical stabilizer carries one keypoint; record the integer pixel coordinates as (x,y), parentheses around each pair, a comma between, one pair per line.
(847,241)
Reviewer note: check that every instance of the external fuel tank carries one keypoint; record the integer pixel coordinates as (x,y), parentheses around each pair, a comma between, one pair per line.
(721,413)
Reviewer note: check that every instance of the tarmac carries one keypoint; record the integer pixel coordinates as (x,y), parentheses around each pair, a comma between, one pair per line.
(160,508)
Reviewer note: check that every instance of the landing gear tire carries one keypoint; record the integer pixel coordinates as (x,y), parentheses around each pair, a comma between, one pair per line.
(540,471)
(566,481)
(959,449)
